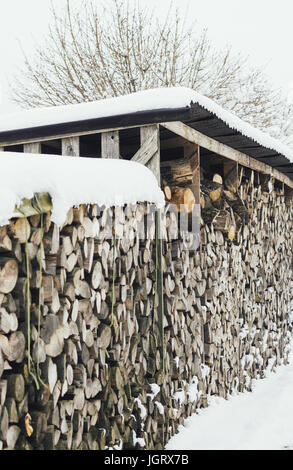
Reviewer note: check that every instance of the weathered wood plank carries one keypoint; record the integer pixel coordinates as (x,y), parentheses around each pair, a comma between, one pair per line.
(224,150)
(147,150)
(70,146)
(110,144)
(32,147)
(146,133)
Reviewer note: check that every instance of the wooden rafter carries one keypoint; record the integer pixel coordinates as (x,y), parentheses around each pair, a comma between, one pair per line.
(147,150)
(218,148)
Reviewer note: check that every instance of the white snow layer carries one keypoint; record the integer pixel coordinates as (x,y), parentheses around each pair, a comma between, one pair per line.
(147,100)
(73,181)
(160,407)
(142,408)
(155,390)
(261,419)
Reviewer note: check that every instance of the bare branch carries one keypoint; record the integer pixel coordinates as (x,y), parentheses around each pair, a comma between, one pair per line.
(110,49)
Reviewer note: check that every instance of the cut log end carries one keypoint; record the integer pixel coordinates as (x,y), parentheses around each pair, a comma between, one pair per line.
(8,275)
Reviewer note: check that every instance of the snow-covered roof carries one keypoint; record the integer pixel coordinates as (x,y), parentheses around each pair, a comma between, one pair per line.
(148,100)
(73,181)
(142,101)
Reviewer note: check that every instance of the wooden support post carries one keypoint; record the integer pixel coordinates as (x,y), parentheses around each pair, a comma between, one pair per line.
(160,295)
(159,285)
(146,134)
(149,154)
(110,144)
(191,152)
(288,195)
(70,147)
(1,149)
(32,147)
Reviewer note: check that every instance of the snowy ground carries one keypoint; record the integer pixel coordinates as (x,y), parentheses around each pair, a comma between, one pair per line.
(261,419)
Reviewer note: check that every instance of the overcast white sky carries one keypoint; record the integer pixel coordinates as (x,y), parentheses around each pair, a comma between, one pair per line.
(260,28)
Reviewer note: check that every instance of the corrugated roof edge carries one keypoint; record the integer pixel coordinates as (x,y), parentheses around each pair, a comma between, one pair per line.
(234,122)
(178,102)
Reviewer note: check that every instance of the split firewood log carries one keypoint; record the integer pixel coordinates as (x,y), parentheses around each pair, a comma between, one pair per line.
(5,241)
(183,198)
(8,274)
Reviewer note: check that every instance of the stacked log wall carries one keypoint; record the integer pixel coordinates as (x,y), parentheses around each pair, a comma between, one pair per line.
(226,321)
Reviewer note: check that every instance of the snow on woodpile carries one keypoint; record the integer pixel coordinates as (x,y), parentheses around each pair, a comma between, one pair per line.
(147,100)
(73,181)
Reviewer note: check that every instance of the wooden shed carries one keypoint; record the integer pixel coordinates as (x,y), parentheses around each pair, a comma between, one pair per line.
(134,336)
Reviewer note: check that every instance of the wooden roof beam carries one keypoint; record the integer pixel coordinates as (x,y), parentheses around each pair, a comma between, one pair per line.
(69,135)
(191,135)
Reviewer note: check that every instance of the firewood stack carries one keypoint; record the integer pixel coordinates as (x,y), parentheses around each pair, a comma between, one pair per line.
(106,380)
(220,201)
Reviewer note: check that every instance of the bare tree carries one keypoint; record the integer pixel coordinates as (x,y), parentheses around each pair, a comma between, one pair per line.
(96,50)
